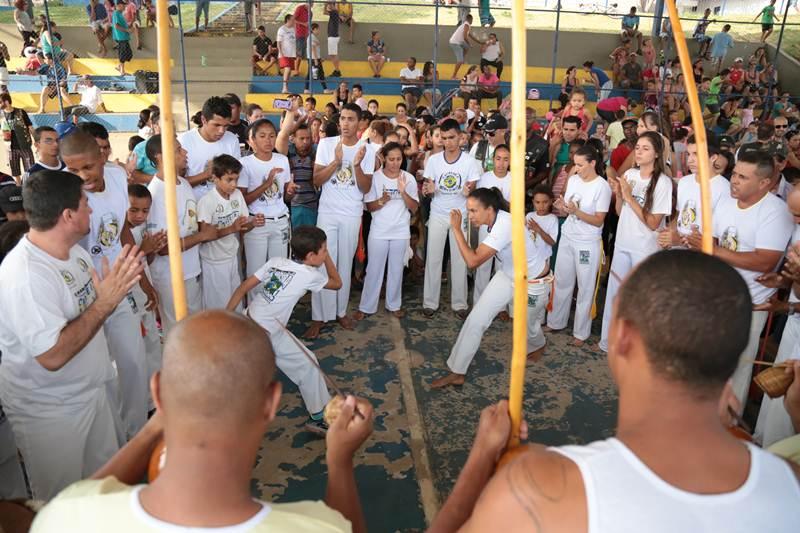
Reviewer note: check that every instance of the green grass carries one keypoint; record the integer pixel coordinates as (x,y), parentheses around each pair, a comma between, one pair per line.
(76,15)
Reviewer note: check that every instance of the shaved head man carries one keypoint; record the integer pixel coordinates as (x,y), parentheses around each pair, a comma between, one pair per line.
(216,396)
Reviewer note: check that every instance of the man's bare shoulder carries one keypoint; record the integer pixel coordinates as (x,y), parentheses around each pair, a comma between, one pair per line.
(539,490)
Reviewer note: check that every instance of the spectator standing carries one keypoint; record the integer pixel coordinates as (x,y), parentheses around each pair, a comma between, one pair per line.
(459,42)
(317,69)
(768,20)
(485,14)
(630,28)
(720,44)
(333,36)
(4,56)
(301,31)
(201,6)
(376,54)
(287,50)
(98,22)
(699,34)
(122,36)
(132,18)
(263,50)
(492,53)
(17,133)
(345,9)
(24,24)
(411,78)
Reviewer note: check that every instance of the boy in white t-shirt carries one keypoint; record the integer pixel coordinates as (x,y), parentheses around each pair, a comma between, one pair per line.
(191,235)
(752,229)
(542,224)
(224,208)
(106,188)
(449,177)
(277,286)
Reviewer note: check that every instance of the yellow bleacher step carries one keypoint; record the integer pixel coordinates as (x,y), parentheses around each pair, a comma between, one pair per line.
(115,103)
(97,67)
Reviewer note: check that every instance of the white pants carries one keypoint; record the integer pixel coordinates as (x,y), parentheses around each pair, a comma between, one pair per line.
(498,294)
(575,261)
(64,444)
(12,480)
(439,230)
(151,338)
(289,357)
(773,422)
(381,250)
(744,371)
(166,303)
(220,279)
(623,262)
(123,331)
(484,272)
(265,242)
(342,235)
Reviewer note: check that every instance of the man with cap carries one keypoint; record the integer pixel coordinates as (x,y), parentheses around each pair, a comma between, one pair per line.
(11,204)
(494,133)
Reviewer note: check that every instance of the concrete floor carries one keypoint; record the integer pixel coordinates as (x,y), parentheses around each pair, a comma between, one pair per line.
(422,436)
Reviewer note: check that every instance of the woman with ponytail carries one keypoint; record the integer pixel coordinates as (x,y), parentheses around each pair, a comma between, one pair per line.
(488,207)
(643,200)
(586,200)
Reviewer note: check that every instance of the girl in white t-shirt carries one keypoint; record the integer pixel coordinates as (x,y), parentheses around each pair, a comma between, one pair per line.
(487,207)
(391,200)
(266,183)
(643,200)
(580,250)
(501,179)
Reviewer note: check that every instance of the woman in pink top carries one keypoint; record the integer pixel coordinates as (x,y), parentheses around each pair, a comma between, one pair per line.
(489,85)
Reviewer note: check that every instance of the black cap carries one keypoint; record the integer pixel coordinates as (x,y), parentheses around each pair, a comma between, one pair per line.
(11,198)
(496,122)
(630,119)
(726,139)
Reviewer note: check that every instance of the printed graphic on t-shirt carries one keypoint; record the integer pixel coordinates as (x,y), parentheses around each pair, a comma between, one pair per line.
(729,240)
(223,221)
(190,220)
(575,199)
(84,295)
(345,176)
(637,195)
(688,214)
(450,183)
(107,233)
(272,193)
(277,280)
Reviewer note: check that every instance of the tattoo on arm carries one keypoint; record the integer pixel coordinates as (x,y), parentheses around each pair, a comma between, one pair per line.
(528,490)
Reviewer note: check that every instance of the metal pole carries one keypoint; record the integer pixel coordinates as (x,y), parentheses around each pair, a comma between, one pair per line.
(555,52)
(308,48)
(183,66)
(56,61)
(435,54)
(770,97)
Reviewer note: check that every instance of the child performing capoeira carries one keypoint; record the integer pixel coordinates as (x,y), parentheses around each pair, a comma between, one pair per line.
(587,200)
(278,285)
(487,206)
(391,201)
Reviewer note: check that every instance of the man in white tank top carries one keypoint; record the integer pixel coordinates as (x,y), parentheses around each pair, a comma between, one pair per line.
(680,321)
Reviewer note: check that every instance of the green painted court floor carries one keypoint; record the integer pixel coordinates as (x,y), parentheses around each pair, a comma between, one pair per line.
(422,436)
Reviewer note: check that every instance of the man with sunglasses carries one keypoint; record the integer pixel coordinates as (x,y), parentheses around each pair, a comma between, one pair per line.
(494,132)
(781,125)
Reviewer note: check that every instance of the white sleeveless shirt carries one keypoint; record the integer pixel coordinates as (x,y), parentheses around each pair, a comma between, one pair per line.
(623,495)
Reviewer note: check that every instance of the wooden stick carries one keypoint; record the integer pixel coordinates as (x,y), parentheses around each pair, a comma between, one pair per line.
(168,161)
(699,128)
(518,136)
(756,362)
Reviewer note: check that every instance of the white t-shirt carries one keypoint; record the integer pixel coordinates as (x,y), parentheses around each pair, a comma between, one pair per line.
(783,189)
(795,239)
(690,210)
(39,296)
(287,39)
(549,223)
(314,47)
(283,282)
(490,179)
(199,152)
(767,225)
(255,172)
(449,180)
(109,209)
(458,35)
(109,505)
(499,238)
(492,52)
(187,220)
(392,220)
(222,213)
(409,74)
(632,234)
(591,197)
(91,97)
(340,193)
